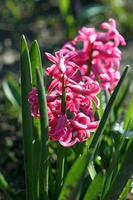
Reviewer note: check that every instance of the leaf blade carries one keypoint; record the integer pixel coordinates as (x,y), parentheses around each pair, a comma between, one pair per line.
(25,66)
(95,189)
(99,133)
(44,166)
(75,177)
(123,175)
(36,63)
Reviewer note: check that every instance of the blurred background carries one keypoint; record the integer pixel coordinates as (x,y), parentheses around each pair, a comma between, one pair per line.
(52,23)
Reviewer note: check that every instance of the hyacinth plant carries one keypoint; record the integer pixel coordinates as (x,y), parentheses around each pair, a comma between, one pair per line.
(69,127)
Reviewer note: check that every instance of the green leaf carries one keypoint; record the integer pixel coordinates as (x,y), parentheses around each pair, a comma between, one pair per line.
(13,9)
(121,98)
(3,183)
(26,115)
(75,177)
(99,133)
(12,93)
(113,168)
(91,11)
(126,190)
(36,63)
(92,170)
(95,188)
(36,145)
(44,167)
(123,175)
(129,115)
(64,6)
(100,110)
(9,193)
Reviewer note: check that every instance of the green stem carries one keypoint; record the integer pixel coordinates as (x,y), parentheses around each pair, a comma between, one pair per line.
(60,150)
(63,99)
(60,168)
(90,60)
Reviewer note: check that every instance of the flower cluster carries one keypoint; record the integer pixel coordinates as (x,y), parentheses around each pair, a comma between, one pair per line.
(78,75)
(99,56)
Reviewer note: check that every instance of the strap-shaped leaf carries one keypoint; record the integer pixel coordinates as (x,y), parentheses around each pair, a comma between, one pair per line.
(36,63)
(91,170)
(35,58)
(99,133)
(95,188)
(126,190)
(122,96)
(9,193)
(129,115)
(26,115)
(12,93)
(44,166)
(112,171)
(75,177)
(123,175)
(3,183)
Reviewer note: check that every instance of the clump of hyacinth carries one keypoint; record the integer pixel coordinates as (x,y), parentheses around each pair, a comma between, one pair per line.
(78,75)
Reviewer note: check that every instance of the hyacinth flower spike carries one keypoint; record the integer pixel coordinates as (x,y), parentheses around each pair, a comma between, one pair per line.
(78,75)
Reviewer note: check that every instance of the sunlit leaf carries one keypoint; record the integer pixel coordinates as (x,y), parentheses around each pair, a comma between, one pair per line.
(75,177)
(122,96)
(99,133)
(26,115)
(95,188)
(129,114)
(3,183)
(124,173)
(36,63)
(92,170)
(12,93)
(126,190)
(44,166)
(35,58)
